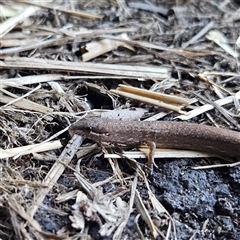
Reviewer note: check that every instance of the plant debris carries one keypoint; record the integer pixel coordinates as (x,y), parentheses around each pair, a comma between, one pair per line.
(61,61)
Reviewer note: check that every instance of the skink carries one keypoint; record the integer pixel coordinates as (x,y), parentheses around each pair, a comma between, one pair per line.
(165,134)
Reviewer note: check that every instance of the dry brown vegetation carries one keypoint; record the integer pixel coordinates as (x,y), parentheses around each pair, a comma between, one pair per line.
(64,60)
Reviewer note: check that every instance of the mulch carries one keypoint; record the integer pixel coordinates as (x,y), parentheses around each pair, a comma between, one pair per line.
(62,61)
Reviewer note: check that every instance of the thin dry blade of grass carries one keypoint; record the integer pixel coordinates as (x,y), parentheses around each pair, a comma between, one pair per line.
(31,79)
(95,49)
(222,41)
(206,107)
(61,9)
(143,72)
(148,100)
(34,148)
(24,104)
(161,154)
(177,100)
(56,171)
(10,23)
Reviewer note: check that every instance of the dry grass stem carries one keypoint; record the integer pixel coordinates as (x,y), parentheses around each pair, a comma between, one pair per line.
(229,165)
(145,214)
(222,41)
(10,23)
(95,49)
(160,153)
(24,104)
(143,72)
(34,148)
(199,34)
(73,13)
(156,95)
(56,171)
(206,107)
(21,81)
(150,101)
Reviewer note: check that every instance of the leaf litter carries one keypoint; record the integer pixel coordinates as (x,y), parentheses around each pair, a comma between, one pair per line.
(62,61)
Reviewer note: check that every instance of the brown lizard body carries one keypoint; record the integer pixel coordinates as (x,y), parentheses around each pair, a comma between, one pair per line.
(176,135)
